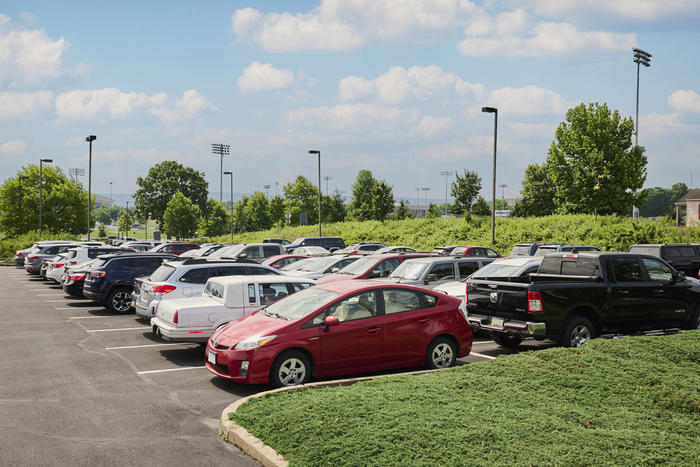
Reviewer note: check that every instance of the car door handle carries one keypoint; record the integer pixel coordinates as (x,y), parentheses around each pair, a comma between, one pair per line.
(623,292)
(374,330)
(423,321)
(658,291)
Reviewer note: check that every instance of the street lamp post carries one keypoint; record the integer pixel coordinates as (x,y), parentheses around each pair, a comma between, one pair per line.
(231,174)
(446,174)
(494,111)
(21,218)
(221,150)
(267,189)
(503,193)
(110,195)
(90,139)
(640,58)
(425,190)
(41,193)
(318,153)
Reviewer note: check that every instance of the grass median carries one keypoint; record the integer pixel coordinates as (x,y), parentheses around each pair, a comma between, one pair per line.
(627,401)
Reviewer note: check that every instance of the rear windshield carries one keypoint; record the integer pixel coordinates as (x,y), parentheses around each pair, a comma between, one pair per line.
(408,270)
(163,273)
(543,250)
(496,270)
(570,266)
(520,250)
(71,254)
(645,250)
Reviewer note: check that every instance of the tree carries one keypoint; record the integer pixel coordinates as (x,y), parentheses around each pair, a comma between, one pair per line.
(240,216)
(433,211)
(64,203)
(660,201)
(465,189)
(102,232)
(258,212)
(216,220)
(164,180)
(402,212)
(593,163)
(481,207)
(301,196)
(125,221)
(333,207)
(371,199)
(102,215)
(382,200)
(181,217)
(277,210)
(538,192)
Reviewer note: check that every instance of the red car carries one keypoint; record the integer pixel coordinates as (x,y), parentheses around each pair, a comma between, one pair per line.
(371,267)
(475,251)
(280,261)
(341,328)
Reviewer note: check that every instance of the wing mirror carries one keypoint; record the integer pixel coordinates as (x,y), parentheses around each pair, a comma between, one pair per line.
(680,276)
(334,270)
(242,256)
(329,321)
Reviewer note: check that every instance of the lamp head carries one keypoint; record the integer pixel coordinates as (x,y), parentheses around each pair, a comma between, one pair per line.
(489,110)
(48,161)
(228,173)
(91,138)
(313,151)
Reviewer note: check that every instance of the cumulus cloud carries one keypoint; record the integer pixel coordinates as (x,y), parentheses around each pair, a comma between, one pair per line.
(428,127)
(29,57)
(264,77)
(24,105)
(636,10)
(13,148)
(685,101)
(191,105)
(354,117)
(528,100)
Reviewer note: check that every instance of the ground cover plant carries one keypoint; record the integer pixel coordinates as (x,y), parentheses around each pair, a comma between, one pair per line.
(628,401)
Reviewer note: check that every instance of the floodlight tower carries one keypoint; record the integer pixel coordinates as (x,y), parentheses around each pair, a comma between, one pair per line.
(221,150)
(640,58)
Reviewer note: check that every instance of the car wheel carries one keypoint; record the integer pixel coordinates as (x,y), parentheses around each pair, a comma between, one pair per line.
(695,320)
(509,341)
(442,353)
(577,331)
(119,301)
(290,369)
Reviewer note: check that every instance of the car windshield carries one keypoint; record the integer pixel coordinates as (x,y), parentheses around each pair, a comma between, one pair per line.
(230,251)
(408,270)
(300,304)
(496,270)
(163,273)
(544,250)
(359,266)
(298,241)
(520,250)
(296,265)
(318,265)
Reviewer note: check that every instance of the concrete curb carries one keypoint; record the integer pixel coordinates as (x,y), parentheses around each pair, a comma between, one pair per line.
(241,438)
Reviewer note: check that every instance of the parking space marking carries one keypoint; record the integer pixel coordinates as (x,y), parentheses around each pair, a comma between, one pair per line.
(148,345)
(142,328)
(482,355)
(55,301)
(482,342)
(95,317)
(50,294)
(75,308)
(170,369)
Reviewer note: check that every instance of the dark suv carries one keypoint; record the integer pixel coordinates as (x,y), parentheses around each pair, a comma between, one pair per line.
(682,256)
(329,243)
(111,282)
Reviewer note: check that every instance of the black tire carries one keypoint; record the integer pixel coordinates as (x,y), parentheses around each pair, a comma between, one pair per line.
(119,300)
(291,368)
(509,341)
(577,331)
(695,320)
(442,353)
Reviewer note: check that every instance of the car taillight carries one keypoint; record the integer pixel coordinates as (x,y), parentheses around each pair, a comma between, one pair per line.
(76,277)
(20,254)
(58,265)
(175,318)
(277,266)
(73,263)
(354,252)
(534,302)
(33,257)
(98,274)
(163,288)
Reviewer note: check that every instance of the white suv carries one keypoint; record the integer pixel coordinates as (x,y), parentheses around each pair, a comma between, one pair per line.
(181,279)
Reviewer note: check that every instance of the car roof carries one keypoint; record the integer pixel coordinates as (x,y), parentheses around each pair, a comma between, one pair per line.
(451,259)
(349,286)
(261,278)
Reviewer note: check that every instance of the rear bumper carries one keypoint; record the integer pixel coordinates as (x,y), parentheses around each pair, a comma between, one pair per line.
(524,328)
(94,296)
(171,333)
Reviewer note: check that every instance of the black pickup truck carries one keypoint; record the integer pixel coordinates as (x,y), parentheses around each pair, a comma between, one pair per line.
(576,297)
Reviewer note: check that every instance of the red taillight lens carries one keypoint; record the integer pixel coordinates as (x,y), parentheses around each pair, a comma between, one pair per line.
(58,265)
(163,288)
(466,294)
(175,318)
(98,274)
(73,263)
(354,252)
(20,254)
(33,257)
(76,277)
(534,302)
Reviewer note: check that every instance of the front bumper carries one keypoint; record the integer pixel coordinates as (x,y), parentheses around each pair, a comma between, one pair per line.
(228,364)
(524,328)
(172,333)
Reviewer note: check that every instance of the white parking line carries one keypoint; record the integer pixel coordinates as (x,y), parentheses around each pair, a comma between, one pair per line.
(148,345)
(170,369)
(50,294)
(482,342)
(96,317)
(482,355)
(142,328)
(54,301)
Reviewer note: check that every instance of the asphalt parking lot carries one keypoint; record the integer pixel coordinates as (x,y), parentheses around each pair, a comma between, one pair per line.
(80,385)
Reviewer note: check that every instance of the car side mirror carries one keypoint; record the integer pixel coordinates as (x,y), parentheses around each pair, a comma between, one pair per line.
(680,276)
(430,278)
(334,270)
(242,256)
(372,275)
(329,321)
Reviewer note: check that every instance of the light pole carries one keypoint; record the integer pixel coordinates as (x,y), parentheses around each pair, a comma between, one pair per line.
(231,174)
(41,193)
(425,190)
(110,195)
(277,185)
(503,193)
(267,190)
(90,139)
(127,216)
(19,224)
(328,177)
(318,153)
(417,196)
(221,150)
(446,173)
(640,58)
(494,111)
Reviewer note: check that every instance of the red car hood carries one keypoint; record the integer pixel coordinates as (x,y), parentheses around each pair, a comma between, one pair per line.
(250,326)
(337,277)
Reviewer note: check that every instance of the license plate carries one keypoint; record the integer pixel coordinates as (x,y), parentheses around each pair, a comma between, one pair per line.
(497,323)
(211,357)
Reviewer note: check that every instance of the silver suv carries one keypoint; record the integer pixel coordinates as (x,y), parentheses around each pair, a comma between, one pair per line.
(180,279)
(436,270)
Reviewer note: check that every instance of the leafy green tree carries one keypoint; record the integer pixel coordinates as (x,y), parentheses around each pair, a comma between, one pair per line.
(258,212)
(382,200)
(371,199)
(465,190)
(64,203)
(125,221)
(102,215)
(660,201)
(115,212)
(102,232)
(433,211)
(402,212)
(301,196)
(593,163)
(181,217)
(241,223)
(158,188)
(277,210)
(333,207)
(216,221)
(481,207)
(539,192)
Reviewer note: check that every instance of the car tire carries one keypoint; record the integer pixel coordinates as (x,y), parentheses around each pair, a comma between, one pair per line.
(119,300)
(442,353)
(695,320)
(509,341)
(577,331)
(291,368)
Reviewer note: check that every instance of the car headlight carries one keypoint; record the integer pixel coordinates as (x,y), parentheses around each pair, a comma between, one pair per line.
(253,342)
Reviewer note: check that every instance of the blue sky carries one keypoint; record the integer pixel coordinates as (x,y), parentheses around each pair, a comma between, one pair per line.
(394,86)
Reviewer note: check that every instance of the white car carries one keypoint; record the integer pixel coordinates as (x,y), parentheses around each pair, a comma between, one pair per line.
(56,267)
(312,251)
(224,299)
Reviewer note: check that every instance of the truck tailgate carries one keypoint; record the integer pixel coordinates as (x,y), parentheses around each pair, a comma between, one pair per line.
(497,298)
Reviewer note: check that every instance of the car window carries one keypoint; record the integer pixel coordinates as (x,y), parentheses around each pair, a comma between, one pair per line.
(530,269)
(218,271)
(466,268)
(344,262)
(195,276)
(441,272)
(459,251)
(302,286)
(657,270)
(627,270)
(270,293)
(429,301)
(385,268)
(163,273)
(271,250)
(252,252)
(149,264)
(399,300)
(687,251)
(359,306)
(166,249)
(251,293)
(490,253)
(252,270)
(51,250)
(214,289)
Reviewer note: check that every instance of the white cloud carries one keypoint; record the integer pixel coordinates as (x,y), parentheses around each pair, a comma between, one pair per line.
(685,101)
(655,124)
(13,148)
(24,105)
(418,83)
(528,100)
(637,10)
(29,57)
(430,126)
(191,105)
(151,155)
(354,117)
(264,77)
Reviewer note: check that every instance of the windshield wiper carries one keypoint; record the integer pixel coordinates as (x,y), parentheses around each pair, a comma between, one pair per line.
(274,315)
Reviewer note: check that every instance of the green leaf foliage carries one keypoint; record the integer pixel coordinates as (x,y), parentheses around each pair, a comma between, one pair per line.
(402,212)
(481,207)
(660,201)
(124,223)
(371,199)
(181,217)
(538,192)
(465,190)
(258,212)
(216,221)
(301,196)
(433,211)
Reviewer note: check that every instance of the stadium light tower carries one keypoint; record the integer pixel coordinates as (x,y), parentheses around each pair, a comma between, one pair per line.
(640,58)
(90,139)
(221,150)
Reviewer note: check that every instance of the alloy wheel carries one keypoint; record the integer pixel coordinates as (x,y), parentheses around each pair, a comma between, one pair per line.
(292,372)
(442,355)
(121,301)
(579,335)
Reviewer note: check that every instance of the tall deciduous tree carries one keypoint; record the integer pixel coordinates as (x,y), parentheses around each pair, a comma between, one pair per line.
(241,223)
(162,182)
(258,212)
(181,217)
(216,220)
(125,221)
(301,196)
(433,211)
(371,199)
(481,207)
(277,210)
(333,207)
(402,212)
(465,190)
(102,215)
(593,163)
(538,192)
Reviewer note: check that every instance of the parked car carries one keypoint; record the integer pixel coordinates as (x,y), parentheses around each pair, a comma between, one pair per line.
(436,270)
(253,251)
(340,328)
(222,300)
(111,281)
(362,248)
(175,248)
(475,251)
(141,245)
(280,261)
(281,241)
(34,259)
(329,243)
(77,255)
(20,255)
(682,256)
(546,249)
(371,267)
(395,249)
(50,265)
(73,278)
(313,251)
(315,268)
(181,279)
(527,249)
(576,297)
(443,250)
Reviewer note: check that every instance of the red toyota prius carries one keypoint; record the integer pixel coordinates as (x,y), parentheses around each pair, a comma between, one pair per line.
(338,328)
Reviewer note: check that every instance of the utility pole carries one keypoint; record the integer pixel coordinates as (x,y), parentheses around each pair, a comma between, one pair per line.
(318,153)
